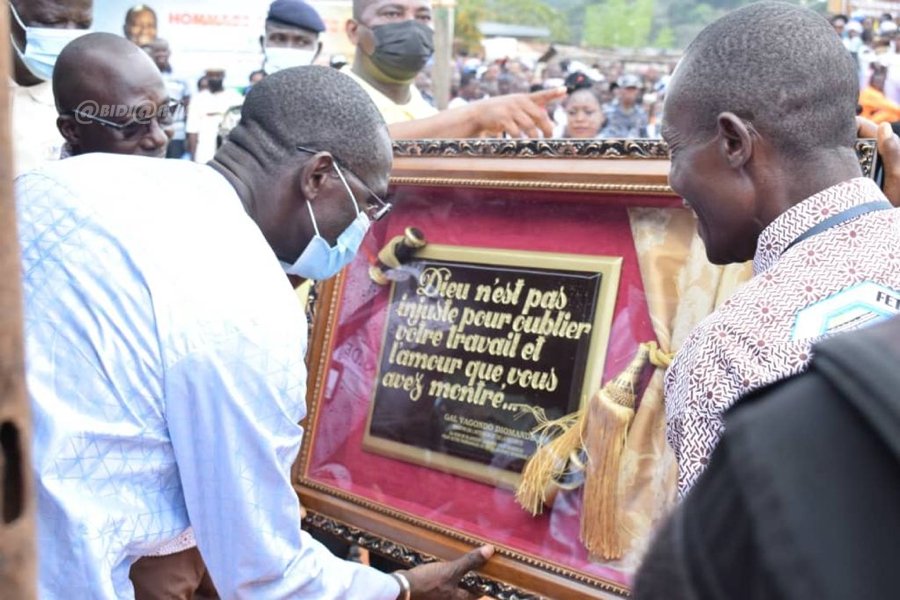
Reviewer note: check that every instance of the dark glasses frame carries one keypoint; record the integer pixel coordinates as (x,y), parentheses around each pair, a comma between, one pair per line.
(376,210)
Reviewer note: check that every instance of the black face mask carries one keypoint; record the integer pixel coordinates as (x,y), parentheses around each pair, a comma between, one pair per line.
(402,49)
(215,84)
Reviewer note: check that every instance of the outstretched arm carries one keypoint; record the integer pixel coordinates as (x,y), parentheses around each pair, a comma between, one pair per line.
(516,115)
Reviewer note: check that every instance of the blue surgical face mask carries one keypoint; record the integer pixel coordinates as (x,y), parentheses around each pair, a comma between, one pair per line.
(42,46)
(319,260)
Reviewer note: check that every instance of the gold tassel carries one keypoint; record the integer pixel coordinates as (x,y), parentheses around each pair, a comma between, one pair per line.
(548,463)
(608,419)
(600,429)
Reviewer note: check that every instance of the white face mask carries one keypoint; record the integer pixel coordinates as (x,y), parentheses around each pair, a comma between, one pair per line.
(285,58)
(42,46)
(319,260)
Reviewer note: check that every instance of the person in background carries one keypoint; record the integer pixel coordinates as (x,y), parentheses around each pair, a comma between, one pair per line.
(839,23)
(625,117)
(290,39)
(179,92)
(775,180)
(38,33)
(203,84)
(140,25)
(292,34)
(506,84)
(874,105)
(469,90)
(584,115)
(853,41)
(394,41)
(489,78)
(424,85)
(206,114)
(165,347)
(254,78)
(101,71)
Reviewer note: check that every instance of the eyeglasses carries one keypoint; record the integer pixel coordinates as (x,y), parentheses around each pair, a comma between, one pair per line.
(376,208)
(138,124)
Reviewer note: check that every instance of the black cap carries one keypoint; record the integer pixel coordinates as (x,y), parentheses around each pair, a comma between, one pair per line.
(577,81)
(296,13)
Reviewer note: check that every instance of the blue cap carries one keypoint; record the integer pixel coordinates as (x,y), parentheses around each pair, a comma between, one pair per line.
(296,13)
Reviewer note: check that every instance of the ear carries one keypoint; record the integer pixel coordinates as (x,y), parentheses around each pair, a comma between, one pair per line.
(352,29)
(313,175)
(68,128)
(735,139)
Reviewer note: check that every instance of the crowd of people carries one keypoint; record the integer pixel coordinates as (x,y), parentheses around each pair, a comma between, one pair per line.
(603,99)
(873,44)
(165,343)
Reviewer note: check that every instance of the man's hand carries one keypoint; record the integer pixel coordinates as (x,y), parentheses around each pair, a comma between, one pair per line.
(440,580)
(889,153)
(517,115)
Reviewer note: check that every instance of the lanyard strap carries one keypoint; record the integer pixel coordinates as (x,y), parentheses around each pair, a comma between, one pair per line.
(841,218)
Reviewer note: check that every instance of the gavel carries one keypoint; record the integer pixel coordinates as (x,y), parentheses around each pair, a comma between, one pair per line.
(399,250)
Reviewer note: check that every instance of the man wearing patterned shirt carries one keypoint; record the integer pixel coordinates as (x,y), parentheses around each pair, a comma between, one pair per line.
(766,159)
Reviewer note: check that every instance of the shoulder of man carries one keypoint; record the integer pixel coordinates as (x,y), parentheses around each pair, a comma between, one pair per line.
(817,460)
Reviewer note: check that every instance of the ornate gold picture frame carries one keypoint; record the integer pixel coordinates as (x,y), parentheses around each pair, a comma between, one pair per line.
(501,194)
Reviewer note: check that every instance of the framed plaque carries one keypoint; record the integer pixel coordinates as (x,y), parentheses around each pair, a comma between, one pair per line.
(547,264)
(480,346)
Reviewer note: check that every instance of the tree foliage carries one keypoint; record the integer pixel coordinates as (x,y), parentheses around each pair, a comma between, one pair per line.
(469,13)
(618,23)
(539,13)
(644,23)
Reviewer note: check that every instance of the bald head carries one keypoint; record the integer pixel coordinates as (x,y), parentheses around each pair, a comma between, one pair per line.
(105,77)
(308,158)
(159,51)
(97,66)
(318,108)
(779,67)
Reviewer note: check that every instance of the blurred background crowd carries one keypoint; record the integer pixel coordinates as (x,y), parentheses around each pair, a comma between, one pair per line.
(614,62)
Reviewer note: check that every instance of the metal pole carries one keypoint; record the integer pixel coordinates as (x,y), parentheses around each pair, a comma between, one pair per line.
(17,546)
(442,73)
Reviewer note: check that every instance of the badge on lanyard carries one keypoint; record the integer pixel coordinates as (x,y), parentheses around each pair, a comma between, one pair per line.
(853,307)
